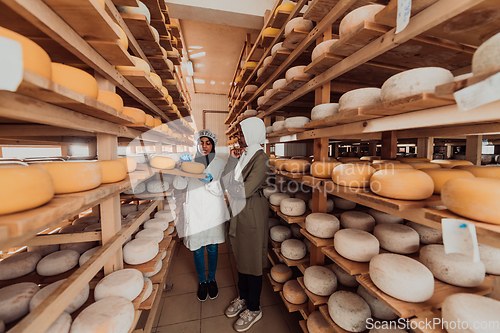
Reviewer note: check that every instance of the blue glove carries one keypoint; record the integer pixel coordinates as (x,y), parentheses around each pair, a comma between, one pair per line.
(208,178)
(186,158)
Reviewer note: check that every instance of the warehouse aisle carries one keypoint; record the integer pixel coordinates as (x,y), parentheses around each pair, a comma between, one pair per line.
(181,311)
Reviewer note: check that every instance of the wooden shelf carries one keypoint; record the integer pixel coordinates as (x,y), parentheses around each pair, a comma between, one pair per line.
(266,73)
(166,44)
(413,103)
(441,291)
(276,245)
(318,242)
(290,262)
(315,299)
(294,38)
(288,131)
(292,175)
(279,56)
(293,307)
(447,90)
(148,302)
(294,219)
(274,208)
(336,328)
(276,285)
(303,325)
(150,48)
(139,26)
(113,51)
(351,267)
(279,19)
(312,181)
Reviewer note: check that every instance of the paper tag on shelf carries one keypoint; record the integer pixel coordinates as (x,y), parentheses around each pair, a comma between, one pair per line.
(11,64)
(479,94)
(404,13)
(459,236)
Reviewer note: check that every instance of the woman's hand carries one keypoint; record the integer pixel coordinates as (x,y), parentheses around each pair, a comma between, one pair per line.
(236,153)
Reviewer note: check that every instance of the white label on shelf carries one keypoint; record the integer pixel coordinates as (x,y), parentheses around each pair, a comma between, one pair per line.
(479,94)
(459,236)
(11,64)
(404,13)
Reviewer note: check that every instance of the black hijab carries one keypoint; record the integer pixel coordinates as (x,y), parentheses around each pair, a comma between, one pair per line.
(200,158)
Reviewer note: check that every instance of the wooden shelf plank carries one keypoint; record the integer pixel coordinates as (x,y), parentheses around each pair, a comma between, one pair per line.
(274,208)
(401,205)
(130,3)
(278,57)
(311,181)
(148,302)
(160,26)
(295,83)
(113,51)
(303,325)
(447,90)
(276,285)
(315,299)
(322,63)
(165,43)
(293,307)
(294,219)
(267,40)
(150,48)
(318,242)
(279,19)
(154,9)
(413,103)
(292,175)
(290,262)
(139,26)
(266,73)
(344,117)
(351,267)
(159,63)
(336,328)
(137,301)
(174,30)
(294,38)
(286,132)
(175,60)
(441,291)
(276,245)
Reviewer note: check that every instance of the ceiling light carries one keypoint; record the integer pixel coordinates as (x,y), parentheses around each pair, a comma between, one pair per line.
(212,82)
(198,55)
(189,67)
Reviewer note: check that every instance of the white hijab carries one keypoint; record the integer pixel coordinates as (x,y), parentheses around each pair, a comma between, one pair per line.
(254,131)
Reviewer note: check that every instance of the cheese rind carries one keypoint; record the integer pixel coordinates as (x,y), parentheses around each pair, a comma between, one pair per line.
(129,162)
(322,48)
(57,262)
(293,292)
(322,225)
(280,233)
(427,234)
(323,169)
(485,58)
(329,205)
(324,110)
(45,292)
(353,175)
(378,309)
(139,251)
(402,184)
(19,265)
(316,323)
(357,220)
(356,245)
(153,233)
(281,273)
(127,283)
(320,280)
(192,167)
(451,163)
(296,122)
(490,256)
(397,238)
(61,325)
(87,255)
(292,207)
(293,249)
(297,165)
(298,23)
(361,14)
(349,311)
(480,171)
(382,217)
(342,203)
(297,72)
(15,299)
(112,171)
(278,125)
(70,177)
(343,277)
(276,198)
(359,98)
(138,115)
(111,99)
(75,79)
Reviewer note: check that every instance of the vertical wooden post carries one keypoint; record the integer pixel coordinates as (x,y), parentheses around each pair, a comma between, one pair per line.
(473,148)
(64,150)
(103,83)
(496,152)
(92,148)
(107,146)
(425,147)
(372,148)
(335,150)
(389,145)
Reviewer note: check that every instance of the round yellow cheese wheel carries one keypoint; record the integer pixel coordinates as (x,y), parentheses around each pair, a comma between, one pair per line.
(110,98)
(391,166)
(323,169)
(35,59)
(474,198)
(156,80)
(129,162)
(270,31)
(123,36)
(481,171)
(451,163)
(112,171)
(280,164)
(402,184)
(424,165)
(192,167)
(24,187)
(150,121)
(157,122)
(138,115)
(385,161)
(75,79)
(140,66)
(413,159)
(70,177)
(442,175)
(286,7)
(348,159)
(162,162)
(170,100)
(297,165)
(164,91)
(171,81)
(353,175)
(250,64)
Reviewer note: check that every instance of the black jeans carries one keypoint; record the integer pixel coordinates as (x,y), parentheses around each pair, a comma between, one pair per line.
(250,287)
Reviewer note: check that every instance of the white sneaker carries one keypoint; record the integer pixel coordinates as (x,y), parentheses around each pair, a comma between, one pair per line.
(247,319)
(237,305)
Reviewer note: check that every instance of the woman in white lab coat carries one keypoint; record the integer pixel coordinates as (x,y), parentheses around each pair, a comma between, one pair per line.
(205,213)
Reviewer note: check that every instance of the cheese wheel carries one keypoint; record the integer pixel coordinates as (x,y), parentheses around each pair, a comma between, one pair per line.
(453,268)
(474,198)
(111,99)
(357,16)
(382,217)
(138,115)
(164,91)
(250,88)
(359,98)
(322,225)
(280,233)
(269,130)
(127,283)
(329,205)
(320,280)
(378,309)
(278,47)
(123,36)
(293,292)
(70,177)
(298,23)
(468,313)
(292,207)
(402,184)
(192,167)
(86,220)
(128,209)
(296,122)
(385,161)
(451,163)
(270,190)
(397,238)
(353,175)
(357,220)
(75,79)
(81,247)
(154,233)
(149,288)
(272,222)
(442,175)
(278,84)
(402,277)
(285,7)
(61,325)
(427,234)
(140,66)
(87,255)
(349,311)
(166,214)
(370,158)
(269,92)
(72,229)
(322,48)
(485,58)
(43,250)
(281,273)
(293,249)
(316,323)
(423,165)
(343,277)
(157,223)
(275,198)
(19,265)
(270,31)
(156,80)
(157,186)
(15,299)
(45,292)
(139,251)
(480,171)
(413,82)
(296,165)
(142,9)
(162,162)
(356,245)
(296,231)
(109,315)
(57,262)
(280,164)
(18,192)
(490,256)
(278,125)
(391,166)
(297,72)
(112,171)
(344,204)
(348,159)
(150,121)
(157,269)
(129,162)
(322,111)
(250,113)
(259,73)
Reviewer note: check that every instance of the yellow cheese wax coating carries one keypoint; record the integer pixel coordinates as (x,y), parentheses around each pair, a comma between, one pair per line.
(70,177)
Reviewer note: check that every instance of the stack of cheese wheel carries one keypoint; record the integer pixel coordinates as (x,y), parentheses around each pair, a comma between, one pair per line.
(353,175)
(471,311)
(442,175)
(454,268)
(413,82)
(18,192)
(349,311)
(451,163)
(357,220)
(397,238)
(297,73)
(112,171)
(359,98)
(15,299)
(45,292)
(356,245)
(70,177)
(474,198)
(294,293)
(357,16)
(299,24)
(322,48)
(138,115)
(293,249)
(292,207)
(402,184)
(320,280)
(280,233)
(322,225)
(484,59)
(281,273)
(322,111)
(427,234)
(487,171)
(111,99)
(75,79)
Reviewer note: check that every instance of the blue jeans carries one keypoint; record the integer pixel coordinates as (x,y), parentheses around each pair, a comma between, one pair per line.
(199,262)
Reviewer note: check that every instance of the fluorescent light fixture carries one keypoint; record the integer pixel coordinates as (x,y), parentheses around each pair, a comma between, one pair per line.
(195,47)
(212,82)
(198,55)
(199,81)
(189,67)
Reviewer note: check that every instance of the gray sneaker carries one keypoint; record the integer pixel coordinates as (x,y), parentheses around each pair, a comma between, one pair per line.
(247,319)
(237,305)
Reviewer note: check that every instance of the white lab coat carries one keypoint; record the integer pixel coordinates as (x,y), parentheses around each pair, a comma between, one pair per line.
(205,209)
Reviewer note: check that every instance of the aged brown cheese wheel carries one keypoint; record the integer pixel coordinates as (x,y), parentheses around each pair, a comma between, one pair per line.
(320,280)
(316,323)
(427,234)
(397,238)
(356,245)
(15,299)
(293,292)
(349,311)
(281,273)
(357,220)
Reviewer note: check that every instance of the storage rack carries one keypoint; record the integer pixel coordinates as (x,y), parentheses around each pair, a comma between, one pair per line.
(366,57)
